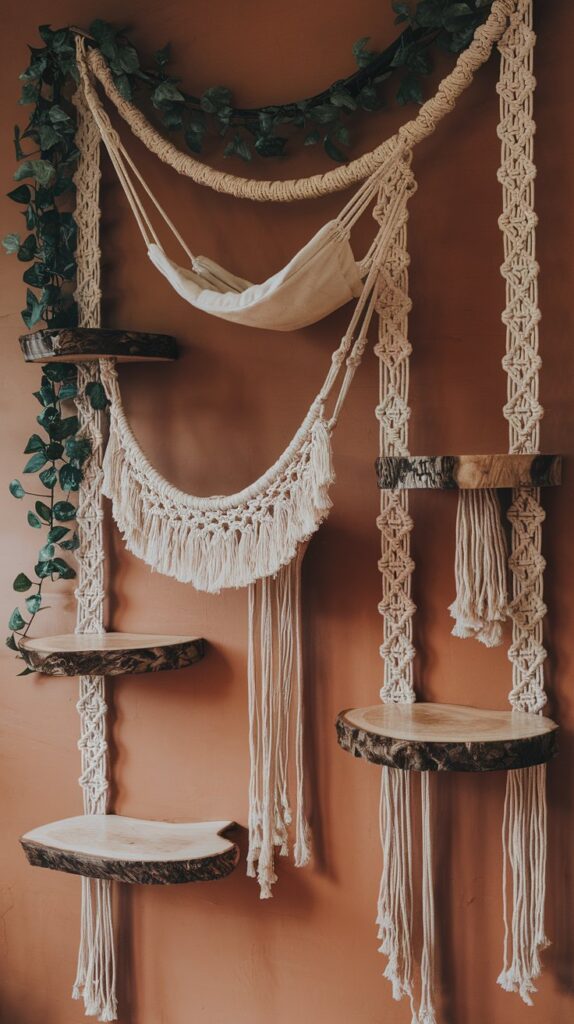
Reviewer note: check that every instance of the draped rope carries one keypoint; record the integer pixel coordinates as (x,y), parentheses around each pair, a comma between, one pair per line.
(339,178)
(481,603)
(95,977)
(524,826)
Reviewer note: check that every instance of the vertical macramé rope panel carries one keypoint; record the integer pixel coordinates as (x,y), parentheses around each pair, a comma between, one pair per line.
(524,825)
(95,978)
(522,361)
(395,903)
(393,350)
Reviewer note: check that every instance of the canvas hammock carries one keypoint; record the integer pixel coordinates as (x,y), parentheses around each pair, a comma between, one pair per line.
(256,538)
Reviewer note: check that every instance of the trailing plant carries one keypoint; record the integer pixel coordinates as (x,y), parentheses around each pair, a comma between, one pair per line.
(46,155)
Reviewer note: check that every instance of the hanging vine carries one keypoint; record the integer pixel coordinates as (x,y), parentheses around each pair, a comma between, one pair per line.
(46,155)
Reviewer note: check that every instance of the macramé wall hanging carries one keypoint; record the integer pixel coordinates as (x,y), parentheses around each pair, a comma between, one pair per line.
(256,539)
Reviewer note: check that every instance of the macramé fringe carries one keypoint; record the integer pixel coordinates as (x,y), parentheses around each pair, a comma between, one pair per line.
(481,603)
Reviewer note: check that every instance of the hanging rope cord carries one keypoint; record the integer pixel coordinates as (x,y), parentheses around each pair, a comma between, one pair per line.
(339,178)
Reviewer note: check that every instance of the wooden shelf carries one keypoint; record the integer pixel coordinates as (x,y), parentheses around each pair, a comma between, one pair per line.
(467,472)
(446,737)
(113,654)
(82,344)
(131,850)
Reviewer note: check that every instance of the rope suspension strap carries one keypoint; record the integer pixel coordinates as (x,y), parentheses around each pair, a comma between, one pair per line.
(95,978)
(524,827)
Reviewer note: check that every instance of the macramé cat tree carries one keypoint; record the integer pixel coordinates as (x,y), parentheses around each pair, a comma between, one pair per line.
(257,538)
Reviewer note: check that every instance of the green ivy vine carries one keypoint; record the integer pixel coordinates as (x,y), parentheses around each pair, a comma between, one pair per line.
(46,154)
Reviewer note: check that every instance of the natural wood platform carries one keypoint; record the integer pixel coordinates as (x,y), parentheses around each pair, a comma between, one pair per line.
(446,737)
(113,654)
(131,850)
(81,344)
(468,472)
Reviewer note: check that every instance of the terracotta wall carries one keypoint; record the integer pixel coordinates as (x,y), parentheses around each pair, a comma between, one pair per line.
(211,423)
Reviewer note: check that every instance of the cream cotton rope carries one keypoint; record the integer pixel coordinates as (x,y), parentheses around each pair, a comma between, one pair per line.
(524,826)
(95,978)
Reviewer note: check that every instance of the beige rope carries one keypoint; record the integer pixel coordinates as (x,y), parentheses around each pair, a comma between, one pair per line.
(524,826)
(95,977)
(338,178)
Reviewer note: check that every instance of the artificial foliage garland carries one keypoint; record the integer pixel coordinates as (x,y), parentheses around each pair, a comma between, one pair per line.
(45,186)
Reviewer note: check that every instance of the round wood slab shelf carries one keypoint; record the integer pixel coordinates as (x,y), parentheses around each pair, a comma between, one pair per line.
(82,344)
(446,737)
(131,850)
(467,472)
(113,654)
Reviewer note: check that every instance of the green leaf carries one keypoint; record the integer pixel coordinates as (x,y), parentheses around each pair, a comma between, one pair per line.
(49,477)
(56,534)
(11,243)
(54,450)
(341,98)
(37,275)
(410,90)
(66,572)
(34,444)
(238,147)
(17,147)
(194,135)
(35,463)
(16,489)
(21,583)
(162,56)
(64,511)
(70,477)
(11,643)
(270,145)
(26,672)
(21,194)
(49,418)
(59,371)
(369,98)
(28,249)
(43,569)
(41,171)
(166,92)
(362,55)
(97,395)
(46,553)
(43,511)
(216,98)
(333,151)
(34,603)
(324,113)
(33,521)
(16,621)
(72,544)
(68,390)
(34,311)
(65,428)
(78,449)
(312,138)
(46,395)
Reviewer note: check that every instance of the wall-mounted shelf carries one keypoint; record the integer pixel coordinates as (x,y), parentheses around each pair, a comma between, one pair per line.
(446,737)
(112,654)
(82,344)
(132,850)
(467,472)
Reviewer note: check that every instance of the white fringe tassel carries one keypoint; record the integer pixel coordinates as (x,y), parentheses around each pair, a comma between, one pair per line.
(481,603)
(395,905)
(96,973)
(219,542)
(524,849)
(274,673)
(426,1011)
(394,908)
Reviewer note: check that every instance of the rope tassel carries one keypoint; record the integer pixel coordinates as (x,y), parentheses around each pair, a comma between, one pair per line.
(275,675)
(481,603)
(524,850)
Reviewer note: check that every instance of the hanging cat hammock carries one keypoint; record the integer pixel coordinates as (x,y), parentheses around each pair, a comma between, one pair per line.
(257,537)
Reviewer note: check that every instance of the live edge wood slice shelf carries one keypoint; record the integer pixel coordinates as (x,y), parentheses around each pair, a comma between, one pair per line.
(468,472)
(123,849)
(446,737)
(82,344)
(112,654)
